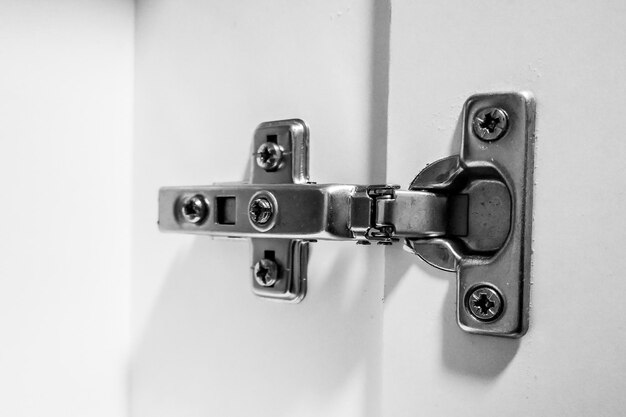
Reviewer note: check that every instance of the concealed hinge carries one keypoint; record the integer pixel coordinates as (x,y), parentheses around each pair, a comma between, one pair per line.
(468,213)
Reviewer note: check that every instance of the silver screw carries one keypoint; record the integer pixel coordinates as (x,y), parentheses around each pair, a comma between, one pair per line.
(485,303)
(194,209)
(490,123)
(269,156)
(266,272)
(261,210)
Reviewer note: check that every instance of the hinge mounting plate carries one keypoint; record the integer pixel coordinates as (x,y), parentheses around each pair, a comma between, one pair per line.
(492,261)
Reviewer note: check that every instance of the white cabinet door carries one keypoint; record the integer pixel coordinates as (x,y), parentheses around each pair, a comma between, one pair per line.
(66,71)
(571,56)
(377,333)
(207,73)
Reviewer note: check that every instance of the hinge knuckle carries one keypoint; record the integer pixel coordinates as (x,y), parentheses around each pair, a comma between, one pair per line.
(413,214)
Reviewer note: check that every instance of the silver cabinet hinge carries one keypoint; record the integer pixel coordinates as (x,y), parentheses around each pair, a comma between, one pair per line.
(469,213)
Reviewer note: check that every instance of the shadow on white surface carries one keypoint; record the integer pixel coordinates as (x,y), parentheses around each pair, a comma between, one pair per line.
(482,357)
(211,347)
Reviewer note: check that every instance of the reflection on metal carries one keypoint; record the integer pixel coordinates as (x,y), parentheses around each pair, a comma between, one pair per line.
(468,213)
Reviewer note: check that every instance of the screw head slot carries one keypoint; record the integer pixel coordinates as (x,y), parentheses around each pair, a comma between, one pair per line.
(266,272)
(261,210)
(194,209)
(485,303)
(269,156)
(490,123)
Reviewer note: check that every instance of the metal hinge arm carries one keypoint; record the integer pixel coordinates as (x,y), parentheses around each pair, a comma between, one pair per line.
(306,211)
(414,214)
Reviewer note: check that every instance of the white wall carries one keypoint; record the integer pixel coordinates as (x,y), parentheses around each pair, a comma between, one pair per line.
(571,55)
(207,73)
(65,134)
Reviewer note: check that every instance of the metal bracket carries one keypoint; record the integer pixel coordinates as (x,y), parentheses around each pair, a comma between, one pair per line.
(469,213)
